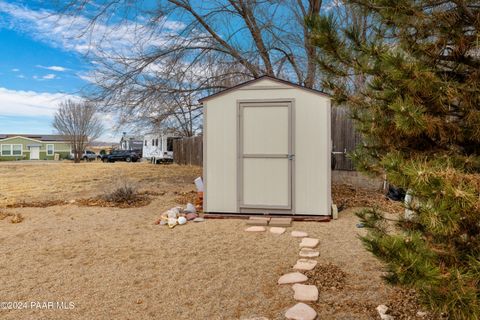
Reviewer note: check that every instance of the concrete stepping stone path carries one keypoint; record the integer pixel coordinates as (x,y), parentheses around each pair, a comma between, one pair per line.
(299,234)
(293,277)
(305,264)
(309,243)
(305,292)
(277,230)
(301,311)
(308,253)
(255,229)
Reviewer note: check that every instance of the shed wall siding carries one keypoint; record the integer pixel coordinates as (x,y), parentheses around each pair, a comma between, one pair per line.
(312,192)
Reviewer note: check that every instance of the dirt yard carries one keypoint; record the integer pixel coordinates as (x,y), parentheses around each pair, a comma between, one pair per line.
(113,263)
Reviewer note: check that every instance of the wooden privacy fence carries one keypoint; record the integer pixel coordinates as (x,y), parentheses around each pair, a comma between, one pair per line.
(344,138)
(188,151)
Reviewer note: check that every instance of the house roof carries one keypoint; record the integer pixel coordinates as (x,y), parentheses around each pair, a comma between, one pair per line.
(40,137)
(238,86)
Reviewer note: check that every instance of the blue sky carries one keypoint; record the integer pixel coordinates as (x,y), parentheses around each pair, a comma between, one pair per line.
(41,64)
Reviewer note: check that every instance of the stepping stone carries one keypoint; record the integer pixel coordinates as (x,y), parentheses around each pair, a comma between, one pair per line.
(299,234)
(309,243)
(255,229)
(308,253)
(199,219)
(280,222)
(277,230)
(293,277)
(301,311)
(305,264)
(305,292)
(258,221)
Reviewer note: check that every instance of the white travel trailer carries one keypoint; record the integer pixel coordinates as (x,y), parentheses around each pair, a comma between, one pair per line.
(158,147)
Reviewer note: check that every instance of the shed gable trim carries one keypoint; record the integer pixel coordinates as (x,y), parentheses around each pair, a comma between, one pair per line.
(241,85)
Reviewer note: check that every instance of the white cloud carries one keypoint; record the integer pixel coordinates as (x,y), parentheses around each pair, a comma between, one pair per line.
(15,70)
(30,103)
(53,68)
(21,76)
(38,105)
(70,32)
(49,76)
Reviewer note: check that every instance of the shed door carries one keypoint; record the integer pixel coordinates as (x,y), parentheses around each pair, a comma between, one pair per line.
(265,155)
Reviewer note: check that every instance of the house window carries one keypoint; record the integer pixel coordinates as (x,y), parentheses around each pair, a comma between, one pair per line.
(50,149)
(156,142)
(6,149)
(153,142)
(17,149)
(145,143)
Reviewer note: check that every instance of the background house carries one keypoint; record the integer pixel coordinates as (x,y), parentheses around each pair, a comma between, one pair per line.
(33,147)
(133,143)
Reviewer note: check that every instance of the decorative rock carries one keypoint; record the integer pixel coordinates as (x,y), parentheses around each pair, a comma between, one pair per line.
(305,264)
(334,212)
(382,309)
(301,311)
(255,229)
(258,221)
(199,219)
(256,318)
(191,216)
(293,277)
(299,234)
(280,222)
(304,292)
(309,243)
(308,253)
(190,208)
(277,230)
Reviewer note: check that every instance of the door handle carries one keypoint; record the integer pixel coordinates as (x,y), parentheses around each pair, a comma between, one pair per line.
(290,156)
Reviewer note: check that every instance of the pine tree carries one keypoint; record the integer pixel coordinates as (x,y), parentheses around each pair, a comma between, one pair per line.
(419,114)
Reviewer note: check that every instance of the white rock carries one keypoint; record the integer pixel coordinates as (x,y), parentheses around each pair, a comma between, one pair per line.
(277,230)
(309,243)
(293,277)
(182,220)
(421,314)
(255,229)
(382,309)
(308,253)
(305,264)
(301,311)
(256,318)
(299,234)
(386,317)
(305,292)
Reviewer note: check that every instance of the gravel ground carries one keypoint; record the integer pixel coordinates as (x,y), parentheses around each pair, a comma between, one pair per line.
(115,264)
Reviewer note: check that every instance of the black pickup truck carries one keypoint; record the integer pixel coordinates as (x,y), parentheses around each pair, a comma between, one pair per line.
(121,155)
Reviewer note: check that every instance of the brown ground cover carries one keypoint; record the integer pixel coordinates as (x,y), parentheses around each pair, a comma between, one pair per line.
(114,263)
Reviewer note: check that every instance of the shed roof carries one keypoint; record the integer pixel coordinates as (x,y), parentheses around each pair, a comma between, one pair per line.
(238,86)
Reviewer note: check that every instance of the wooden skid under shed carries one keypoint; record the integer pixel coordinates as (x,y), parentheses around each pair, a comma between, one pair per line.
(220,215)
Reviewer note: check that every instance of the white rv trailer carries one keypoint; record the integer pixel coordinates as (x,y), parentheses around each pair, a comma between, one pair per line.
(158,147)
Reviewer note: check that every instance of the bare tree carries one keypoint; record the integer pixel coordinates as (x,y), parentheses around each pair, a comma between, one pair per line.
(80,125)
(184,49)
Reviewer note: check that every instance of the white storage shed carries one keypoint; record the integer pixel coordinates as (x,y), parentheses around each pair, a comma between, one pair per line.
(267,149)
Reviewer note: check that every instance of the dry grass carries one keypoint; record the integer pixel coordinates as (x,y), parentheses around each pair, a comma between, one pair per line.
(56,183)
(116,264)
